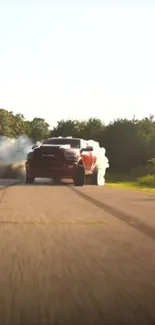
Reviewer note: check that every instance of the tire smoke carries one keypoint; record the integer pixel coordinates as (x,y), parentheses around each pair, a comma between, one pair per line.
(102,162)
(13,154)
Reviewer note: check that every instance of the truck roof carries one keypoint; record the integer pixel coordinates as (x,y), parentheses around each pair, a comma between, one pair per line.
(65,138)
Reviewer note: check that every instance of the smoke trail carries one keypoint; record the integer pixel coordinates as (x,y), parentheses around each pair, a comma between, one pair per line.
(13,154)
(12,150)
(102,161)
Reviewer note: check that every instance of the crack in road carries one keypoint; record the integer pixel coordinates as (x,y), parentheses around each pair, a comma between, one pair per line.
(128,219)
(57,222)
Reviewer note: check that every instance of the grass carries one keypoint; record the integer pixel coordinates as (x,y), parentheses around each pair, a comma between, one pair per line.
(130,181)
(131,186)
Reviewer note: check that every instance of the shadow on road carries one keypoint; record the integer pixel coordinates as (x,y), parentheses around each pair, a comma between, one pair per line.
(4,183)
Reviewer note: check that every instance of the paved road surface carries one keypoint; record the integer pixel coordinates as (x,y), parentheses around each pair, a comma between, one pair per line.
(78,256)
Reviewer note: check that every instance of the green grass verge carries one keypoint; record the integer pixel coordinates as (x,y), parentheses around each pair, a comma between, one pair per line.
(130,181)
(131,186)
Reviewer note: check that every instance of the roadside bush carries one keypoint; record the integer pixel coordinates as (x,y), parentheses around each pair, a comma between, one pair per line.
(138,172)
(151,166)
(117,177)
(148,180)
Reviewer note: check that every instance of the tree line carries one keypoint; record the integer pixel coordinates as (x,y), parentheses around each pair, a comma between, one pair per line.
(129,144)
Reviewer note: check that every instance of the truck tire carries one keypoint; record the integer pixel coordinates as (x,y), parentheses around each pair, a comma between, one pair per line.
(29,178)
(79,179)
(98,177)
(57,180)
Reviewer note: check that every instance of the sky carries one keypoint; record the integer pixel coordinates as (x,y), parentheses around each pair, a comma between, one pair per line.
(77,59)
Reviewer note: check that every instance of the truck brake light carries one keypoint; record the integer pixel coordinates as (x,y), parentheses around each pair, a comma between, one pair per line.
(70,155)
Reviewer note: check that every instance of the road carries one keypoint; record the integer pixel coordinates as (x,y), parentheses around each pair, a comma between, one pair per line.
(83,256)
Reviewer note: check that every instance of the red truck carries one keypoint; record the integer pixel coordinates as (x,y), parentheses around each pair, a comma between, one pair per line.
(63,157)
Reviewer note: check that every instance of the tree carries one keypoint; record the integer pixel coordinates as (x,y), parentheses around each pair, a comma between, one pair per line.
(126,148)
(18,125)
(6,123)
(64,128)
(91,128)
(86,129)
(38,129)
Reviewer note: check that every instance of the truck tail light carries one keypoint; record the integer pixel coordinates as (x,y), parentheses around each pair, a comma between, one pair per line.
(70,156)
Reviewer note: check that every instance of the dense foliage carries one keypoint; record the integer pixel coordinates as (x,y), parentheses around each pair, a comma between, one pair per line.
(130,144)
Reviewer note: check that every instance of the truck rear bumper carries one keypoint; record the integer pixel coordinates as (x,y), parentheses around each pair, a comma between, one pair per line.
(65,171)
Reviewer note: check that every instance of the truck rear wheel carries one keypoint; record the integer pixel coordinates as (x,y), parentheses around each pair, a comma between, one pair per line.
(79,179)
(57,180)
(98,177)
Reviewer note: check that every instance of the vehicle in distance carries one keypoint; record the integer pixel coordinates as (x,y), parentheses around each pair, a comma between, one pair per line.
(64,157)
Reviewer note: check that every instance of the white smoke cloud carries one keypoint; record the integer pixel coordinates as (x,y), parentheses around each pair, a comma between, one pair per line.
(13,153)
(102,161)
(12,150)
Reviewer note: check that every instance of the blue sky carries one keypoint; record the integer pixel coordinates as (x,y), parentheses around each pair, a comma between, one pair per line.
(77,60)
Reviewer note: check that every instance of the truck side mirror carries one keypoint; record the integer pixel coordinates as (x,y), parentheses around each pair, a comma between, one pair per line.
(88,149)
(34,146)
